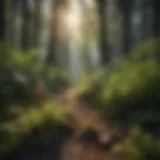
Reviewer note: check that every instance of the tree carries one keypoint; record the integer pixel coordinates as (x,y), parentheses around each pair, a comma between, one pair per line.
(2,19)
(102,18)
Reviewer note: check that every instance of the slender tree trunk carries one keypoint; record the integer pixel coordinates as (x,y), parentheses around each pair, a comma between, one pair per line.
(91,35)
(2,19)
(18,24)
(52,44)
(103,33)
(45,30)
(125,6)
(28,24)
(114,29)
(36,26)
(60,35)
(136,22)
(156,24)
(76,61)
(141,21)
(148,19)
(25,24)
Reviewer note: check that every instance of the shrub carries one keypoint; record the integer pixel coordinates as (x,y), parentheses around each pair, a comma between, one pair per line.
(20,73)
(139,146)
(25,121)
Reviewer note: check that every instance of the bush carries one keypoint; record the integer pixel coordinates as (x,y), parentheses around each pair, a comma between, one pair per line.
(130,87)
(20,117)
(139,146)
(25,121)
(20,73)
(130,90)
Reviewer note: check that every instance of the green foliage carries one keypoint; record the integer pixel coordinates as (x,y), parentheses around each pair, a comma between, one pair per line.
(130,90)
(132,83)
(91,81)
(56,79)
(20,73)
(12,58)
(139,146)
(146,50)
(27,120)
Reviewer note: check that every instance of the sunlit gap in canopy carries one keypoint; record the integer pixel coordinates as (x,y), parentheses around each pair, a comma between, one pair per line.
(69,21)
(71,28)
(73,20)
(74,23)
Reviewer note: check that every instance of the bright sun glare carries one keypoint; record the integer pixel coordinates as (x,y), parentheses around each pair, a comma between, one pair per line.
(73,18)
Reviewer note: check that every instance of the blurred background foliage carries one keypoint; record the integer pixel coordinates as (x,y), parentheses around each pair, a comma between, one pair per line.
(41,58)
(128,92)
(139,146)
(20,114)
(21,73)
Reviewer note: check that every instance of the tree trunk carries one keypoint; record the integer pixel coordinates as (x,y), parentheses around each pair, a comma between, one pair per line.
(102,28)
(2,19)
(114,30)
(125,6)
(156,24)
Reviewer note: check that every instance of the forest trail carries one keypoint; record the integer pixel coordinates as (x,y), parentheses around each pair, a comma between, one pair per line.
(92,136)
(85,116)
(84,145)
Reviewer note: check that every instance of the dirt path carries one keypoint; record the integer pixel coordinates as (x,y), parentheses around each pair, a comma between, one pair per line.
(84,116)
(74,150)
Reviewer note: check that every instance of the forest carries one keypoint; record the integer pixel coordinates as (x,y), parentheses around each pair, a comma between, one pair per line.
(79,79)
